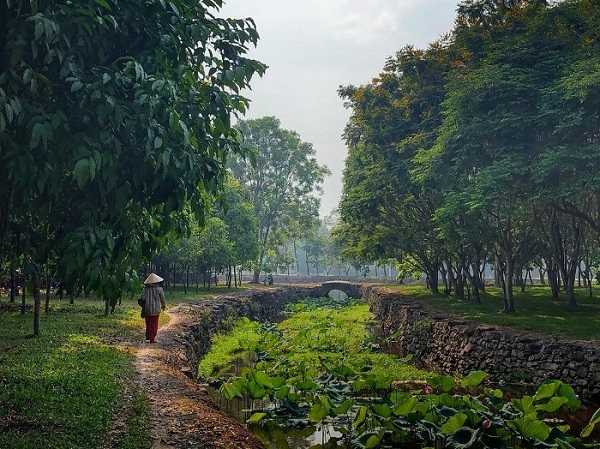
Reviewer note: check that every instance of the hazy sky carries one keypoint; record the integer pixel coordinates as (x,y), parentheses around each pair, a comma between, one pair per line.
(314,46)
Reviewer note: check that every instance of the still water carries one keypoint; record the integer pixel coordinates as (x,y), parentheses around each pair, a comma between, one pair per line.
(298,435)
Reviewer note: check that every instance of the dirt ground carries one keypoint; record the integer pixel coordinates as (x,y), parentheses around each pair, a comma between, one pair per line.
(182,414)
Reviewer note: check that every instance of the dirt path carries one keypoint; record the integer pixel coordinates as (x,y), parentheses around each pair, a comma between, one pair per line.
(182,413)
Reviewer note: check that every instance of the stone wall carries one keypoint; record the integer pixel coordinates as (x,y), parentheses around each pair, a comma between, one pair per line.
(450,345)
(438,342)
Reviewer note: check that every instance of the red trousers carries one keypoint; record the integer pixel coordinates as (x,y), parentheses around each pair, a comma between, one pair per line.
(151,327)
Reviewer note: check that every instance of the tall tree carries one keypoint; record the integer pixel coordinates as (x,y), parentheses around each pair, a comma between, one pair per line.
(114,114)
(281,176)
(386,207)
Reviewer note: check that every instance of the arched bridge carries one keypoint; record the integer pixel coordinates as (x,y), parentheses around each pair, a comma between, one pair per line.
(352,289)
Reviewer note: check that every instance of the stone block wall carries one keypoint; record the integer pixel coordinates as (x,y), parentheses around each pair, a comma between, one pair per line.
(446,344)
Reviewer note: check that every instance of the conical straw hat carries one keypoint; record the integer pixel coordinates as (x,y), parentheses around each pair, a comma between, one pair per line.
(153,279)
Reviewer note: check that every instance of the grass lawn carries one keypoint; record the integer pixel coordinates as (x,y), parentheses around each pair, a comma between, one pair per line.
(61,389)
(536,310)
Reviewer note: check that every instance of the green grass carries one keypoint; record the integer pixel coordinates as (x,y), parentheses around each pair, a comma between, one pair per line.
(61,390)
(536,310)
(138,424)
(177,295)
(309,342)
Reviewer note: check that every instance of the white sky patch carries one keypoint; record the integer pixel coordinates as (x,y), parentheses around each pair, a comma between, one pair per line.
(314,46)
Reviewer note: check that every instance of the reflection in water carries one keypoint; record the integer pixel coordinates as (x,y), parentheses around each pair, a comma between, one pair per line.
(277,436)
(274,436)
(338,295)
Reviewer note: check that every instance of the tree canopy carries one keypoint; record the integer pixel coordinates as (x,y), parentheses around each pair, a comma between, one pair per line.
(282,179)
(481,150)
(115,125)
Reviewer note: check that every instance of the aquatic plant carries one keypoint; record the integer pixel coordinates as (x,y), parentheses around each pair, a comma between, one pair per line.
(321,367)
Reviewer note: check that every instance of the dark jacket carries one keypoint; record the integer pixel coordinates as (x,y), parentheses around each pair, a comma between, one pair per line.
(153,299)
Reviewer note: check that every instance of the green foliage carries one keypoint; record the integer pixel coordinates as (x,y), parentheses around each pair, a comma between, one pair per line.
(114,127)
(319,409)
(295,373)
(225,239)
(474,379)
(589,428)
(481,147)
(319,335)
(282,177)
(245,338)
(256,418)
(386,212)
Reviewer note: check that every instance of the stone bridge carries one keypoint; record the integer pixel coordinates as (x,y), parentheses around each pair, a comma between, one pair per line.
(351,289)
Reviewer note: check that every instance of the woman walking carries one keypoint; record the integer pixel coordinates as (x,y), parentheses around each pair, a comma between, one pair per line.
(152,302)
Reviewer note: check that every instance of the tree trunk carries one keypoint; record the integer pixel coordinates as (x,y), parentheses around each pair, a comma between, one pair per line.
(13,282)
(48,283)
(444,274)
(187,278)
(570,286)
(35,284)
(481,275)
(434,278)
(261,255)
(498,282)
(554,282)
(23,297)
(460,285)
(296,257)
(475,283)
(307,263)
(174,276)
(509,302)
(451,279)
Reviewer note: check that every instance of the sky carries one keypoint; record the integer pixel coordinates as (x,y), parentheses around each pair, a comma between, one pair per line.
(314,46)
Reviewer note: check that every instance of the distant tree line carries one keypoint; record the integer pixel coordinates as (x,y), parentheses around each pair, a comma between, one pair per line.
(482,149)
(317,253)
